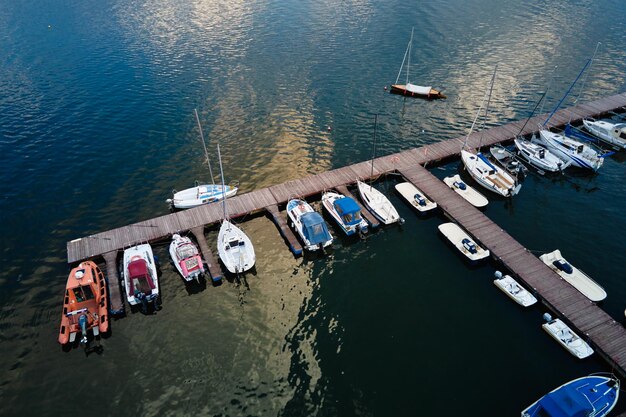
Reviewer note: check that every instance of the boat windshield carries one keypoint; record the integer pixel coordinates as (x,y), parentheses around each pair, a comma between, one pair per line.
(83,293)
(579,149)
(186,250)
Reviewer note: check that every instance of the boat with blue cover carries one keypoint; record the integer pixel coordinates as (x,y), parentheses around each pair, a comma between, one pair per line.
(309,224)
(345,211)
(590,396)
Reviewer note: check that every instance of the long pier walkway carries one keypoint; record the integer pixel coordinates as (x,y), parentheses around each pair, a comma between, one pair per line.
(590,321)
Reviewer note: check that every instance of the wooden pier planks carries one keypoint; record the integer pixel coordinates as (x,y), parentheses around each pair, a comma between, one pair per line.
(280,220)
(215,270)
(116,297)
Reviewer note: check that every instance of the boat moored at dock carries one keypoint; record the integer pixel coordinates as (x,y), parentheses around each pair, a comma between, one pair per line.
(539,157)
(201,194)
(415,197)
(577,278)
(186,258)
(470,194)
(463,242)
(140,276)
(514,290)
(612,133)
(345,211)
(566,337)
(309,224)
(577,153)
(378,204)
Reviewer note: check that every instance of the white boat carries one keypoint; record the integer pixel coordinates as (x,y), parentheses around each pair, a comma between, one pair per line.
(140,275)
(560,332)
(468,193)
(186,257)
(234,247)
(590,396)
(345,211)
(509,161)
(577,278)
(463,242)
(309,224)
(415,197)
(378,203)
(611,133)
(539,157)
(201,194)
(488,175)
(577,153)
(514,290)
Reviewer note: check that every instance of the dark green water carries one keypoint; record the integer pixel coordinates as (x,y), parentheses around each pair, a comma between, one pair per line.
(97,126)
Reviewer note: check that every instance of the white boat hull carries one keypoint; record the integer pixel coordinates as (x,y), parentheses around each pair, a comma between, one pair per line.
(235,248)
(295,213)
(328,200)
(143,251)
(515,291)
(577,278)
(568,149)
(456,236)
(560,332)
(611,133)
(201,194)
(190,267)
(488,175)
(469,194)
(539,157)
(415,197)
(378,203)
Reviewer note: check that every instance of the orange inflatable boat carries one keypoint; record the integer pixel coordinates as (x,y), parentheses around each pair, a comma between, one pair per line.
(85,305)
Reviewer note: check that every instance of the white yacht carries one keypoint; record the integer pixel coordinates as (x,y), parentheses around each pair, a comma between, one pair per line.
(611,133)
(579,154)
(539,157)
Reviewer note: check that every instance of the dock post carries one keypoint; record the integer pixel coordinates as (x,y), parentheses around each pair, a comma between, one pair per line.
(373,221)
(214,267)
(116,300)
(285,231)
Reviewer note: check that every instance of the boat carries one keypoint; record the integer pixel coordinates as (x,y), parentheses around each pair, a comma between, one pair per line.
(577,278)
(468,193)
(463,242)
(578,154)
(201,194)
(309,224)
(85,304)
(560,332)
(539,157)
(509,161)
(345,211)
(514,290)
(612,133)
(186,258)
(412,90)
(593,396)
(378,204)
(415,197)
(234,247)
(140,276)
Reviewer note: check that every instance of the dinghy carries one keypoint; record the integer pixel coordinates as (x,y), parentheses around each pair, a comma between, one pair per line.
(378,204)
(560,332)
(514,290)
(309,224)
(140,276)
(409,89)
(415,197)
(508,160)
(612,133)
(345,211)
(85,305)
(593,396)
(463,242)
(468,193)
(539,157)
(186,258)
(577,278)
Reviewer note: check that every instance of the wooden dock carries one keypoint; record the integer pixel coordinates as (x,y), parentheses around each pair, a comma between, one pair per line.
(591,322)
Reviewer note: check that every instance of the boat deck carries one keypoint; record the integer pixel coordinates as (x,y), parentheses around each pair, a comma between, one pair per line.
(587,319)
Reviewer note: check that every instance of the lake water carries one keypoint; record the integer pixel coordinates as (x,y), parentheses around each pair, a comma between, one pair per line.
(97,127)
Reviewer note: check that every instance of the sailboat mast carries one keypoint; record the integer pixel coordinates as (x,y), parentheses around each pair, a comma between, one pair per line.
(374,150)
(219,156)
(408,64)
(566,94)
(206,154)
(493,79)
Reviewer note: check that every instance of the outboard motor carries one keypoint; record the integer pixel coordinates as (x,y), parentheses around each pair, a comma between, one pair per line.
(144,302)
(498,275)
(420,199)
(460,185)
(547,317)
(82,322)
(469,245)
(563,266)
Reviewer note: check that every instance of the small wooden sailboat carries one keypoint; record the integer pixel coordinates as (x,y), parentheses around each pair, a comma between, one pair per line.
(201,194)
(577,278)
(409,89)
(234,247)
(594,396)
(140,276)
(415,197)
(85,305)
(309,224)
(345,211)
(468,193)
(186,258)
(560,332)
(514,290)
(463,242)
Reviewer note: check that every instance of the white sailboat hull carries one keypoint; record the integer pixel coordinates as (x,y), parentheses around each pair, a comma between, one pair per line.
(201,194)
(539,157)
(489,176)
(378,203)
(469,194)
(579,154)
(235,248)
(414,196)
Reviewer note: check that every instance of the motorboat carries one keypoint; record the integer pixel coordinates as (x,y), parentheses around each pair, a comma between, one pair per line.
(577,153)
(577,278)
(560,332)
(463,242)
(594,396)
(509,161)
(472,196)
(235,248)
(186,258)
(85,304)
(514,290)
(415,197)
(309,224)
(489,175)
(378,204)
(345,211)
(539,157)
(612,133)
(140,276)
(201,194)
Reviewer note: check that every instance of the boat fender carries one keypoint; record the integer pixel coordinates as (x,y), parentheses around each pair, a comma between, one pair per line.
(498,275)
(547,317)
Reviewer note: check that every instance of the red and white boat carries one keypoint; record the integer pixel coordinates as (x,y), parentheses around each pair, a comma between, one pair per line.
(140,276)
(85,305)
(186,258)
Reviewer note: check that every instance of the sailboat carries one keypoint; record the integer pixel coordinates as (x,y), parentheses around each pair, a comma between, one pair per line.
(374,200)
(234,247)
(487,174)
(409,89)
(201,194)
